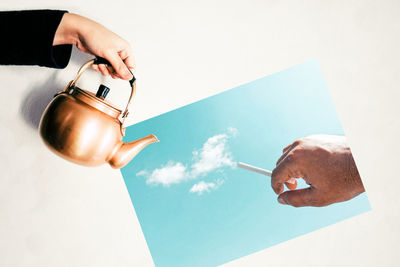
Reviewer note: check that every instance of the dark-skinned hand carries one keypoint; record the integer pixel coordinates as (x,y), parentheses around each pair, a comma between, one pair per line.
(325,163)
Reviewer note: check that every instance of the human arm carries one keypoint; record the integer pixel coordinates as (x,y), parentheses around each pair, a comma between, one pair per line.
(325,162)
(27,38)
(91,37)
(45,38)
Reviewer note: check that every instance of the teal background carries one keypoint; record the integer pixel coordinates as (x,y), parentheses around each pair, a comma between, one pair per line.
(242,216)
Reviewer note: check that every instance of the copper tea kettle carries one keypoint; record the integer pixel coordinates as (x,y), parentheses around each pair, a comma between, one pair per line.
(84,128)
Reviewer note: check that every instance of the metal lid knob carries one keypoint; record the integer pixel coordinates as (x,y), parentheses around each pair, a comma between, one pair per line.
(102,91)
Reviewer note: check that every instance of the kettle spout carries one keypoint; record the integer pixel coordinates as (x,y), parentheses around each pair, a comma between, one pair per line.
(127,151)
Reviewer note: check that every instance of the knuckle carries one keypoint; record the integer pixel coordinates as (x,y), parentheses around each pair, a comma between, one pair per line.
(297,142)
(291,157)
(296,153)
(321,151)
(286,148)
(120,68)
(123,53)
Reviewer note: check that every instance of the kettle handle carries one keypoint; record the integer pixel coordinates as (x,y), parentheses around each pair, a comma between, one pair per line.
(132,82)
(101,60)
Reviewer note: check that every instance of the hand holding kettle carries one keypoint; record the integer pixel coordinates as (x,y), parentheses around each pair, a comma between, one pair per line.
(77,125)
(85,34)
(45,38)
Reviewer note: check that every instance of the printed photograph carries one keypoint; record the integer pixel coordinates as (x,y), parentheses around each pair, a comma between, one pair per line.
(243,170)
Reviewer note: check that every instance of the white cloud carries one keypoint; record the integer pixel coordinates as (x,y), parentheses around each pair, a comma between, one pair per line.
(213,155)
(142,173)
(202,187)
(172,173)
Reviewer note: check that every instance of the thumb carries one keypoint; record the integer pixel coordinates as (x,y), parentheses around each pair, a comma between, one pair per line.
(299,198)
(119,66)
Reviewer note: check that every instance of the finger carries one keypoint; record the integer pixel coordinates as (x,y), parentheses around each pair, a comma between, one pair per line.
(110,70)
(286,148)
(291,146)
(130,64)
(128,58)
(291,184)
(282,157)
(103,69)
(95,67)
(299,198)
(119,66)
(83,49)
(286,170)
(286,151)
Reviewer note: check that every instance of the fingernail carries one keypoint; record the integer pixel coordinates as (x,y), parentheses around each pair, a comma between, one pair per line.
(279,189)
(291,181)
(282,200)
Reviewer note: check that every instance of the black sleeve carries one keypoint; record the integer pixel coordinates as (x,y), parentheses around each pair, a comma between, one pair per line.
(27,38)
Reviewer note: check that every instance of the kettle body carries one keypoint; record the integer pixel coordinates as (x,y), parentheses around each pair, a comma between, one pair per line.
(85,129)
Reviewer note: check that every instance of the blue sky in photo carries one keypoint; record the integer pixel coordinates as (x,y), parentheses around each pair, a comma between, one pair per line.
(195,207)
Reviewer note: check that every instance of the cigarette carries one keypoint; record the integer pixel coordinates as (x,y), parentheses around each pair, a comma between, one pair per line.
(254,169)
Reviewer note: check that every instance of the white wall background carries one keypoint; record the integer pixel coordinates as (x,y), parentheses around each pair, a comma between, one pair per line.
(53,213)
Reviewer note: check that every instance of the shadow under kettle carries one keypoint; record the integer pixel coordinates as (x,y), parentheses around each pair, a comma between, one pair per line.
(84,128)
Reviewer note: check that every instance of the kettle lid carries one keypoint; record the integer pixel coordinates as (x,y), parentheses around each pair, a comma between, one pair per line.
(97,102)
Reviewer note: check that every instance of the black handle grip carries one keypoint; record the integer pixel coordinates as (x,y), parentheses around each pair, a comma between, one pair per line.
(100,60)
